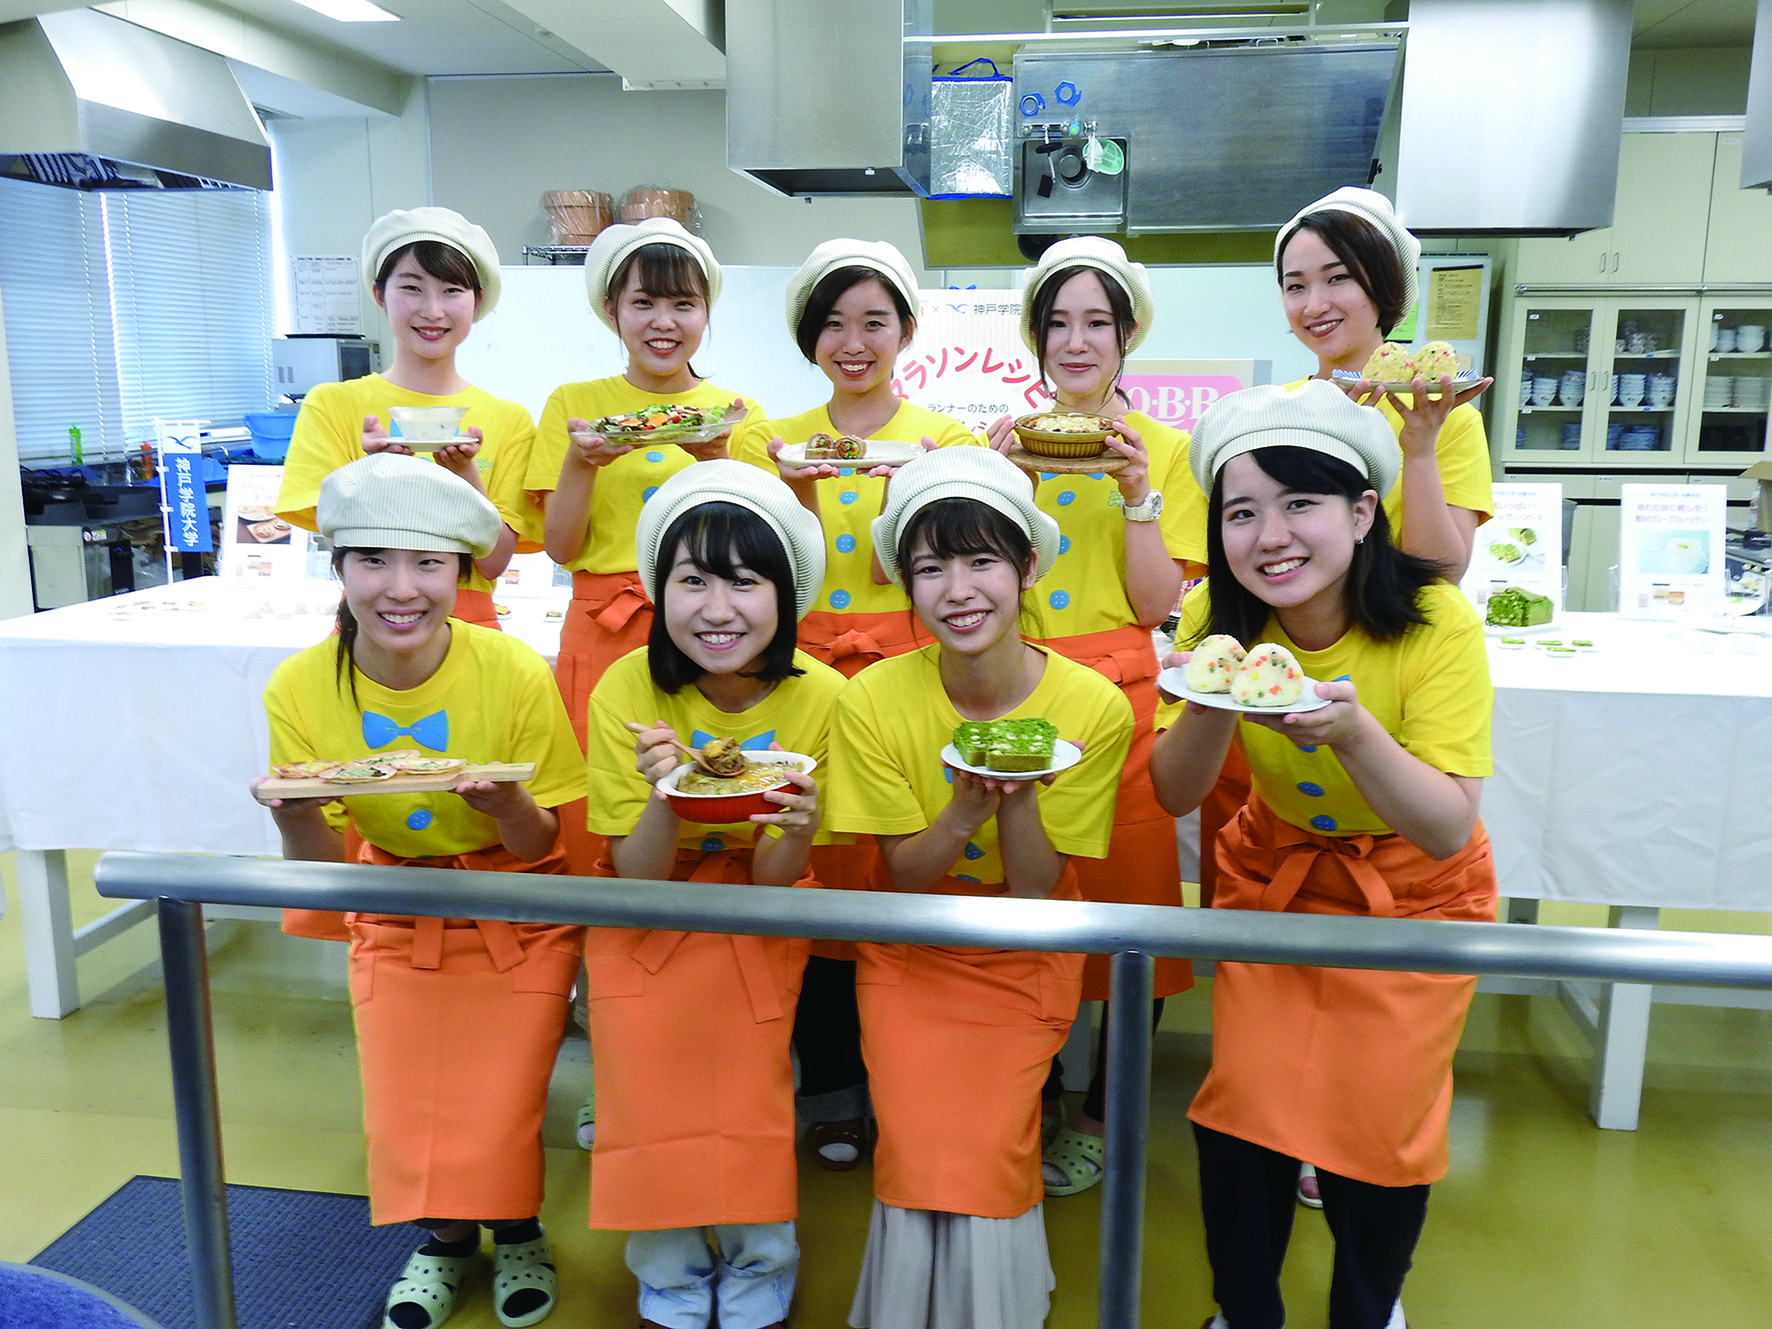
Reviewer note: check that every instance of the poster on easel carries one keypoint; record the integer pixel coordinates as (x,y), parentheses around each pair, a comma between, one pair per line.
(256,543)
(1521,545)
(1670,550)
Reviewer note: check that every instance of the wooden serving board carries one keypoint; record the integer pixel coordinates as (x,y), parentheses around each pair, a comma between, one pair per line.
(1106,463)
(397,784)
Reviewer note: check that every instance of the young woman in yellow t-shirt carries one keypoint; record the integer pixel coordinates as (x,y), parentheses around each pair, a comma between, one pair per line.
(653,285)
(1128,541)
(434,274)
(851,309)
(1364,806)
(957,1219)
(458,1021)
(694,1152)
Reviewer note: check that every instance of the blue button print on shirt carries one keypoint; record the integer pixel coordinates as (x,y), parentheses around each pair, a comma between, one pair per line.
(847,496)
(655,456)
(1098,475)
(846,471)
(961,876)
(1311,747)
(839,599)
(712,844)
(1064,544)
(973,851)
(1314,790)
(1059,599)
(648,492)
(417,821)
(1067,498)
(1324,824)
(845,544)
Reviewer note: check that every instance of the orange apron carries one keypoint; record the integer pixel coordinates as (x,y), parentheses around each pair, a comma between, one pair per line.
(1141,866)
(958,1042)
(1219,809)
(458,1024)
(849,643)
(1348,1069)
(608,617)
(695,1092)
(476,607)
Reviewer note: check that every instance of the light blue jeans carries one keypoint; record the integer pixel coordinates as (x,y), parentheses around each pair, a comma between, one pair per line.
(749,1268)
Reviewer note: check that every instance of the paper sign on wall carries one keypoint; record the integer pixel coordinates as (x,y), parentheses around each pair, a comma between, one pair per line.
(1521,545)
(1670,549)
(256,542)
(326,294)
(967,359)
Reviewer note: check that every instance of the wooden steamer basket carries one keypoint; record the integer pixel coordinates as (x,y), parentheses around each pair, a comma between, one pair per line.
(577,216)
(648,201)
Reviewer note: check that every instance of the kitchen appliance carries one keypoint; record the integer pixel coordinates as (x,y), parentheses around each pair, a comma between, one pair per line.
(1057,190)
(302,360)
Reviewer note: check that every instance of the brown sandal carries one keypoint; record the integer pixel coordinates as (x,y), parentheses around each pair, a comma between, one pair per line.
(853,1133)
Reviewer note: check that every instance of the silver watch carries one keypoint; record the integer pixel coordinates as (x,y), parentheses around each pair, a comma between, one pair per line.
(1149,510)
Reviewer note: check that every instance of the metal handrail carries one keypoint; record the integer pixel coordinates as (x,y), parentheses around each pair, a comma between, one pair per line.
(1132,934)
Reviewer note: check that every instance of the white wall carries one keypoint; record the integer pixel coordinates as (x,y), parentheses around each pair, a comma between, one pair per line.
(497,144)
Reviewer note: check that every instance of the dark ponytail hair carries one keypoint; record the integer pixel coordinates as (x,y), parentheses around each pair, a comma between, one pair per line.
(345,649)
(1383,583)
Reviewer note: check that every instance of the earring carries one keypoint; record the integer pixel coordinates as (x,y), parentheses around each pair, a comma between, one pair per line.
(1360,541)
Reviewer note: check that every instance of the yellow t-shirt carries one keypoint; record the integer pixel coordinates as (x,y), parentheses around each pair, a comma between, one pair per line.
(1086,589)
(492,700)
(329,434)
(1429,689)
(1462,451)
(797,715)
(894,718)
(848,502)
(627,482)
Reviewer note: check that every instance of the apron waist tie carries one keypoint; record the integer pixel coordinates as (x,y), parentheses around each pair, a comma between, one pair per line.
(1301,851)
(499,937)
(754,966)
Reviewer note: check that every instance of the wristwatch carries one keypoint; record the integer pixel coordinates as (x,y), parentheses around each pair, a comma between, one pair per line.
(1149,510)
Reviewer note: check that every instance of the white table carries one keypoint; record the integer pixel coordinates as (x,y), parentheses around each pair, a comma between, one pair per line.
(140,730)
(1633,776)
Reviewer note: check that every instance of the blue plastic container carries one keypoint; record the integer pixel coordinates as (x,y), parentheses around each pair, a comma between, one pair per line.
(270,433)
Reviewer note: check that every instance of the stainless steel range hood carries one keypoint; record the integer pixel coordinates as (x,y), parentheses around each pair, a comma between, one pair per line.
(88,101)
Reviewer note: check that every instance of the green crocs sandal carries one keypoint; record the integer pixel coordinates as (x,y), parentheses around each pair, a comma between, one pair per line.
(1082,1159)
(429,1284)
(521,1266)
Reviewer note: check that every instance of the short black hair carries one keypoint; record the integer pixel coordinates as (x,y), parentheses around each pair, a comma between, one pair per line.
(831,288)
(719,538)
(1119,303)
(444,262)
(345,657)
(1383,583)
(955,527)
(1370,257)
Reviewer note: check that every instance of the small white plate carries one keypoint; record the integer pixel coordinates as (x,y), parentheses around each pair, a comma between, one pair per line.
(881,452)
(1064,756)
(1170,681)
(433,444)
(1460,381)
(1536,630)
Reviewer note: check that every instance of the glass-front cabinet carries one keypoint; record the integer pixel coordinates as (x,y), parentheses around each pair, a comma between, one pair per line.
(1636,381)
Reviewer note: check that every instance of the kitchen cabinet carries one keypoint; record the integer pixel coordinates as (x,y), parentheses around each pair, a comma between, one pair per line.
(1660,220)
(1635,382)
(1736,248)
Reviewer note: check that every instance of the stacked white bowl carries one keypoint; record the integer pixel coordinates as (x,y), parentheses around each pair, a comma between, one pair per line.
(1719,390)
(1632,388)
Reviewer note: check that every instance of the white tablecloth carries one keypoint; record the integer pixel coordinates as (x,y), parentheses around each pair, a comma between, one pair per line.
(141,732)
(1637,774)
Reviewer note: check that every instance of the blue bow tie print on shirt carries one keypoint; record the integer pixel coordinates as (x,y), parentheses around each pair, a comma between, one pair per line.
(756,743)
(431,732)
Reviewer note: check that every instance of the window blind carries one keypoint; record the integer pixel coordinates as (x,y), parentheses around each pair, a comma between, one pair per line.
(123,306)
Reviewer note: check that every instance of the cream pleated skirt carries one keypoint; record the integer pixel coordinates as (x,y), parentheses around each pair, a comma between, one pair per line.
(926,1269)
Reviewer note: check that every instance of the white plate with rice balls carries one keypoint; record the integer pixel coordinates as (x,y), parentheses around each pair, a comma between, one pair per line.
(1170,682)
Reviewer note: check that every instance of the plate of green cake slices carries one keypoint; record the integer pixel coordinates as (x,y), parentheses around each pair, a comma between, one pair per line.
(1064,756)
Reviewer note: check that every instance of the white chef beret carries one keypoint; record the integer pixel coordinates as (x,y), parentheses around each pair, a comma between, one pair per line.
(982,474)
(1316,415)
(390,501)
(614,243)
(834,254)
(1107,258)
(1374,207)
(728,481)
(398,229)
